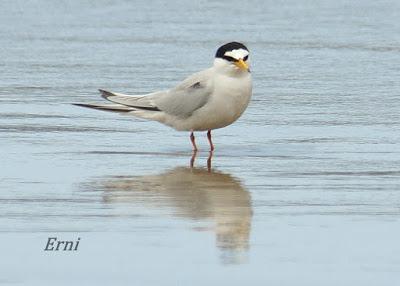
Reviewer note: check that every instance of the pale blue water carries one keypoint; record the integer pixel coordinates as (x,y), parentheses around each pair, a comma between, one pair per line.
(304,188)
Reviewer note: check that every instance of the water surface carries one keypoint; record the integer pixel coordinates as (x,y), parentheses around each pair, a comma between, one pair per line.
(303,189)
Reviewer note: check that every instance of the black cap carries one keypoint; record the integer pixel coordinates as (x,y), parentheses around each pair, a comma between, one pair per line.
(229,47)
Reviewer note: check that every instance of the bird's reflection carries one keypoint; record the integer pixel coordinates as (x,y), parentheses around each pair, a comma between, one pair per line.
(194,193)
(209,160)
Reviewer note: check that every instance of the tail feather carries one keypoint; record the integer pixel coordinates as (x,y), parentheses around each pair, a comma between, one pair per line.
(106,94)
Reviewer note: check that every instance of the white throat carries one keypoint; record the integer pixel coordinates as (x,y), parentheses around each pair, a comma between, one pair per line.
(225,67)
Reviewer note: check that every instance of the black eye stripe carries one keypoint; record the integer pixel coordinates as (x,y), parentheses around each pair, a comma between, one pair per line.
(228,58)
(232,59)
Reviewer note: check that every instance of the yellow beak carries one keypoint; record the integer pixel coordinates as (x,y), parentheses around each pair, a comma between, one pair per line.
(242,65)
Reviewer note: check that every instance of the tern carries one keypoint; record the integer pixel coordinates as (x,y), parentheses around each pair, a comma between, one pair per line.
(207,100)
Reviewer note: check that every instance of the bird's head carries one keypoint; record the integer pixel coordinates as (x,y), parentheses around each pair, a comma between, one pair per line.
(232,57)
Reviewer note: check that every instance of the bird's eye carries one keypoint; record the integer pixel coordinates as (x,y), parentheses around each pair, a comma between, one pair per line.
(231,59)
(245,58)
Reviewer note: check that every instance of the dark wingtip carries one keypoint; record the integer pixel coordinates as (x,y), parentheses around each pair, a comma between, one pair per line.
(80,104)
(84,105)
(104,108)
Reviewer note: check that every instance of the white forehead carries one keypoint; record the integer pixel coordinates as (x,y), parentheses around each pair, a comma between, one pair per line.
(237,54)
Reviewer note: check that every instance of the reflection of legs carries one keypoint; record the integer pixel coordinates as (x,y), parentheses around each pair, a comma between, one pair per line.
(210,141)
(209,159)
(193,159)
(193,141)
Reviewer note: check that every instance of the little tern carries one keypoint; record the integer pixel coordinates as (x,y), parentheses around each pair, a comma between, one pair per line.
(207,100)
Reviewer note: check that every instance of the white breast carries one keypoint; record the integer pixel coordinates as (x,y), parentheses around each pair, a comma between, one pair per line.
(227,103)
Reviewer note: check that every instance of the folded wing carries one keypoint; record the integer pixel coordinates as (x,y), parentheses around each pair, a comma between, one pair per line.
(181,101)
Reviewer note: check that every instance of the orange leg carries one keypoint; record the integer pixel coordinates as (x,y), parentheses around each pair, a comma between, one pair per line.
(210,141)
(192,139)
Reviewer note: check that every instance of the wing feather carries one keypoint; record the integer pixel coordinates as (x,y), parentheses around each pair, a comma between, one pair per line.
(181,101)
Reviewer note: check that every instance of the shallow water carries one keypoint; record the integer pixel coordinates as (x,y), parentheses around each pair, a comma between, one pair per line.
(303,189)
